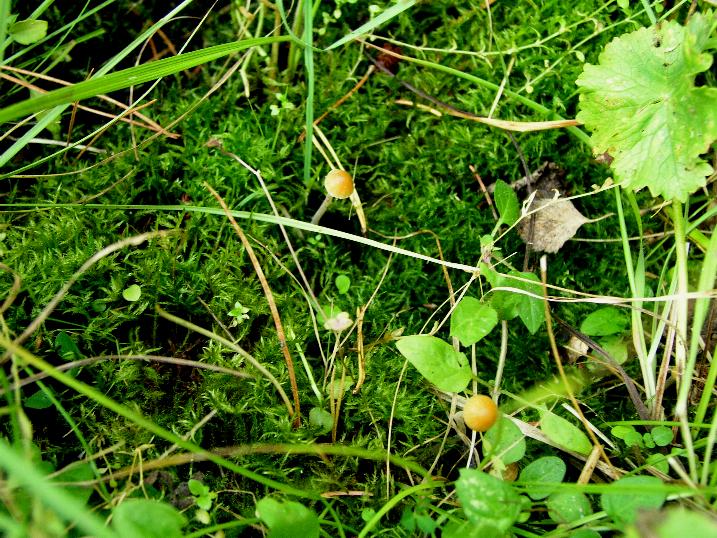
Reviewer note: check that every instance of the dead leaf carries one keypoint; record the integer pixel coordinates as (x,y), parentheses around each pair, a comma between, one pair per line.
(553,224)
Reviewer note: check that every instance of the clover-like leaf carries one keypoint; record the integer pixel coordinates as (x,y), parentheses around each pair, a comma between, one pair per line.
(643,108)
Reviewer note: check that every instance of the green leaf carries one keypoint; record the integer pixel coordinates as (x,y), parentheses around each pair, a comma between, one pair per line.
(659,462)
(509,304)
(505,441)
(321,420)
(196,488)
(132,293)
(66,347)
(287,519)
(343,283)
(147,518)
(616,347)
(629,495)
(546,469)
(662,435)
(605,321)
(564,433)
(28,31)
(568,506)
(38,400)
(507,203)
(634,439)
(491,505)
(437,361)
(530,309)
(622,432)
(675,522)
(76,473)
(130,77)
(472,320)
(643,108)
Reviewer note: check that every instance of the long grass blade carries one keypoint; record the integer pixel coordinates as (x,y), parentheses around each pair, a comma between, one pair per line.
(129,77)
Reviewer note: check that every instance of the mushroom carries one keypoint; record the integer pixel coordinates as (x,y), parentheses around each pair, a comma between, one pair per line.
(480,412)
(339,184)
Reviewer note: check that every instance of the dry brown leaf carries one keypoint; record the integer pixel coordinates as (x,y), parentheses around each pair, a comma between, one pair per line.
(554,223)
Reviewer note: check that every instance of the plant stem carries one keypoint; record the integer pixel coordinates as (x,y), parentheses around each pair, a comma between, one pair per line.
(684,382)
(638,337)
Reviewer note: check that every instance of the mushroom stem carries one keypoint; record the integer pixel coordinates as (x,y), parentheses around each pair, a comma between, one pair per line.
(322,209)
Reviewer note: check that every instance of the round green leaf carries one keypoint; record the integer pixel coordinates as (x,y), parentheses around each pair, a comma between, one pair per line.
(629,495)
(287,519)
(615,346)
(505,441)
(472,320)
(605,321)
(147,518)
(321,419)
(132,293)
(662,435)
(437,361)
(546,469)
(490,504)
(568,506)
(564,433)
(28,32)
(343,283)
(621,432)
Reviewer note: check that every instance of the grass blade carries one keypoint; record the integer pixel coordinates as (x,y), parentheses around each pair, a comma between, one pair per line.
(128,77)
(387,15)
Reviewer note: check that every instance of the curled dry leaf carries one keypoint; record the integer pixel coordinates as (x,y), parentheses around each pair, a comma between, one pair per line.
(553,224)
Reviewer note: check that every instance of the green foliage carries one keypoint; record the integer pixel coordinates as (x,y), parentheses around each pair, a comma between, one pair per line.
(28,31)
(287,518)
(564,433)
(508,304)
(412,173)
(504,442)
(437,361)
(471,320)
(568,506)
(507,203)
(605,321)
(548,469)
(640,101)
(137,518)
(490,505)
(631,494)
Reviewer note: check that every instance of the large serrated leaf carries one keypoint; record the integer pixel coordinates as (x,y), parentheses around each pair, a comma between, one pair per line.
(642,106)
(437,361)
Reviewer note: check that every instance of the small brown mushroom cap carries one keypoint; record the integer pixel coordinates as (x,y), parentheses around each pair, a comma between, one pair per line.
(339,184)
